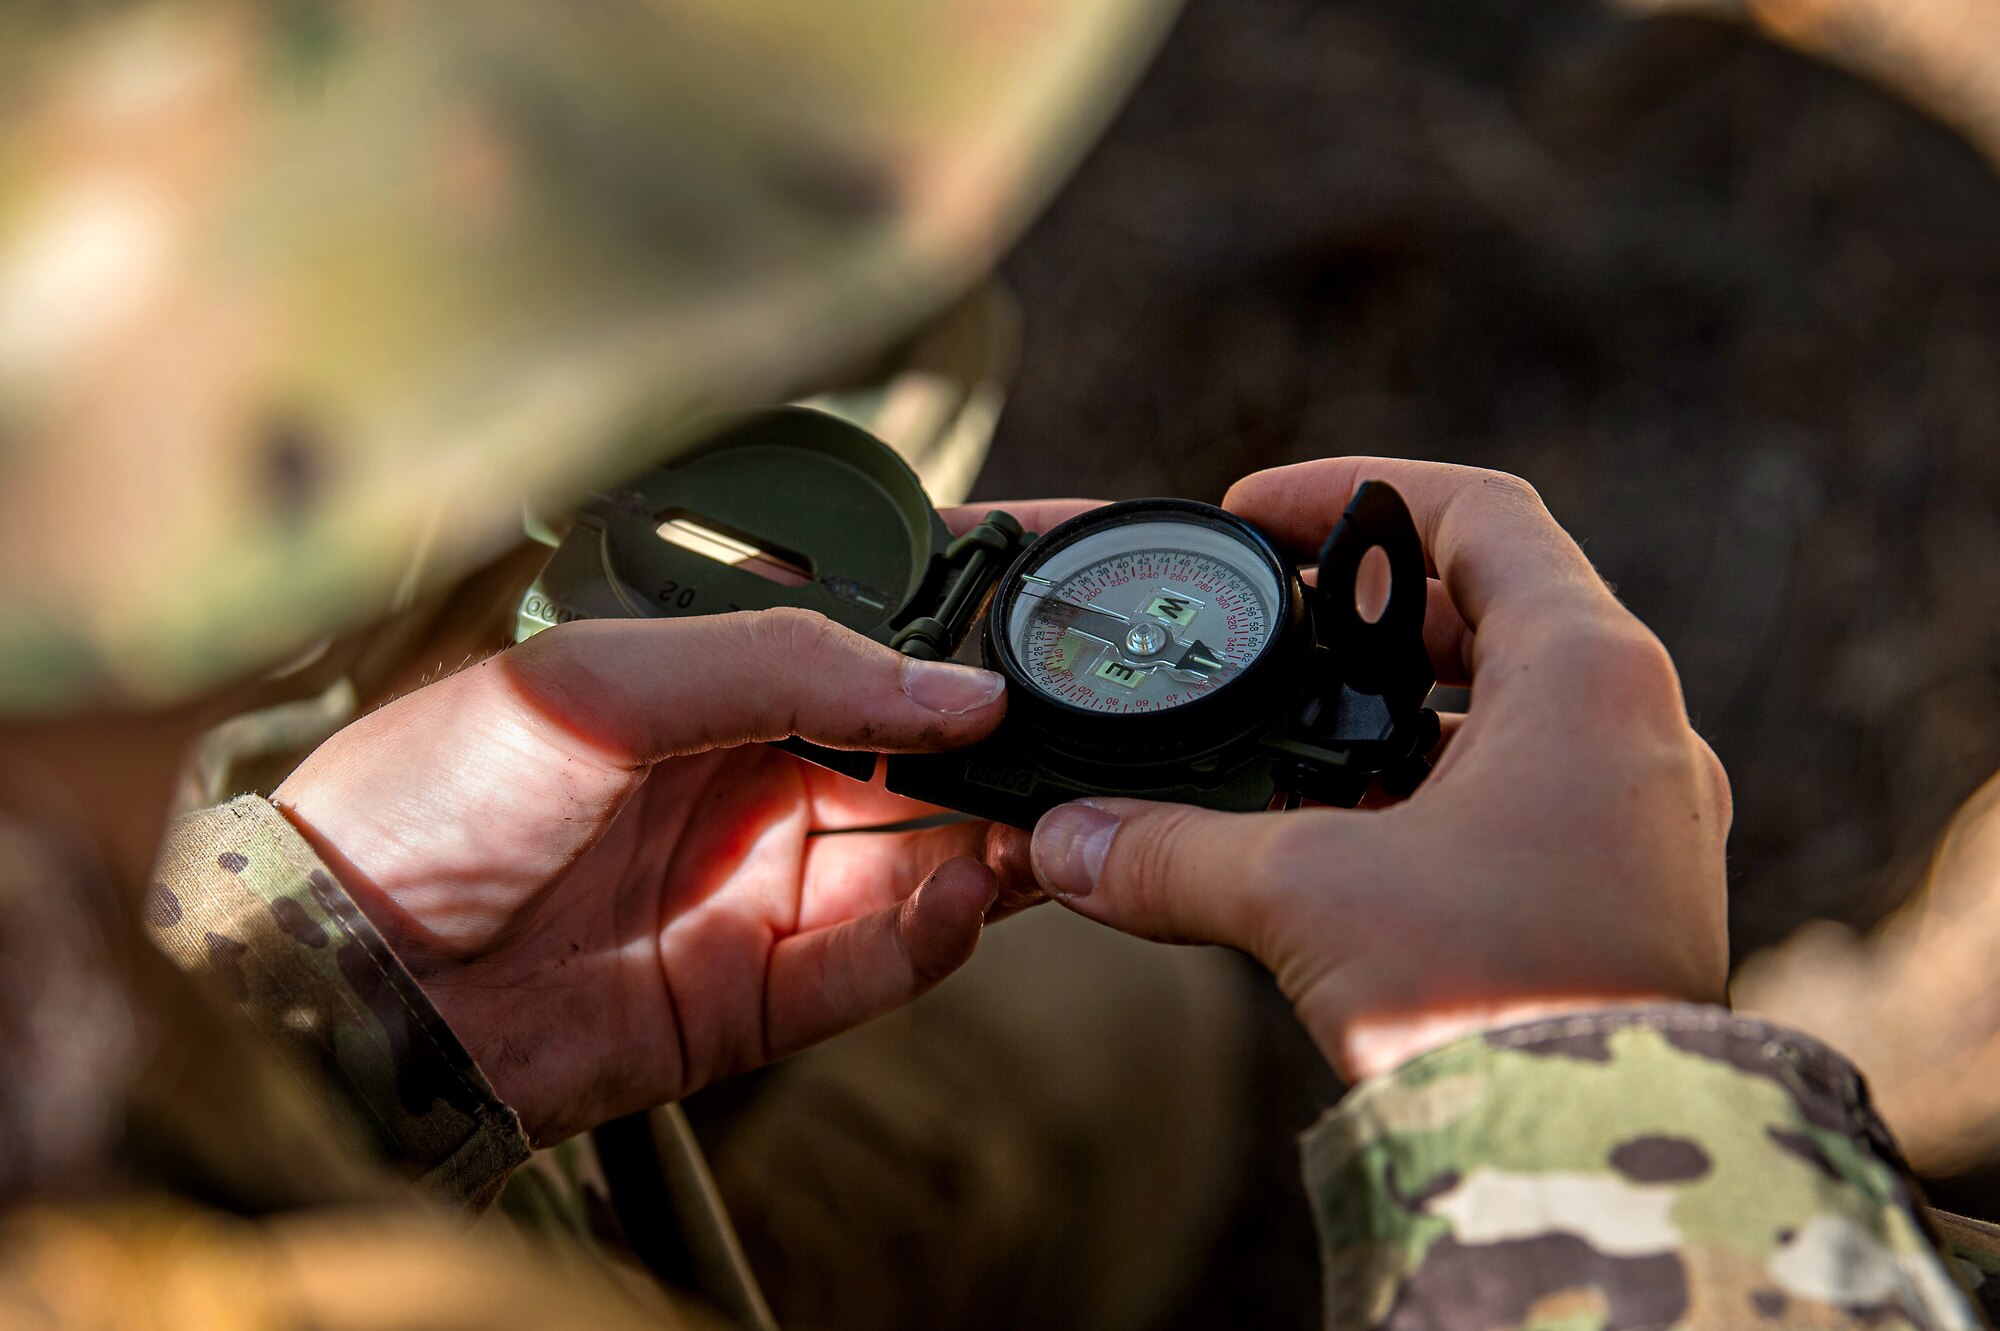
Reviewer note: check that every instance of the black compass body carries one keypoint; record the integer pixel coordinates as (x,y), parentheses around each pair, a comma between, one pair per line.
(1156,648)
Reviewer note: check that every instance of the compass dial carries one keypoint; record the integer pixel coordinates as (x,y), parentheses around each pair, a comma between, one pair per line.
(1142,616)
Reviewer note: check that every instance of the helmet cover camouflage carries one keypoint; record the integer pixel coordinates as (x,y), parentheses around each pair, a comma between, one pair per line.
(300,299)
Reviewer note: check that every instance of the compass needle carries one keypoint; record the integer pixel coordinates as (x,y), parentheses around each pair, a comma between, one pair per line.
(1182,601)
(1102,625)
(1200,657)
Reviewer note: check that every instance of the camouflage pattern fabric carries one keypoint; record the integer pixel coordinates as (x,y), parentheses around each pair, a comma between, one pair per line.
(301,300)
(167,1171)
(1636,1168)
(1974,1249)
(116,1061)
(241,899)
(1661,1167)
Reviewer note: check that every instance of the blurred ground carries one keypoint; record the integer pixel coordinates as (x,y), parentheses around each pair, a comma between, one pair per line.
(1736,314)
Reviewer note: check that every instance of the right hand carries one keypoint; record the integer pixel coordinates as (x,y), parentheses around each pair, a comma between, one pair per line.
(615,893)
(1566,853)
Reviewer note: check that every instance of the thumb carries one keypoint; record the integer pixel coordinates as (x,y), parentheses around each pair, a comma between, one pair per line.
(1162,871)
(643,690)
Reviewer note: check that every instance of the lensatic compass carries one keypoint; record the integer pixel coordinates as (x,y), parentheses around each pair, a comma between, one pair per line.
(1156,648)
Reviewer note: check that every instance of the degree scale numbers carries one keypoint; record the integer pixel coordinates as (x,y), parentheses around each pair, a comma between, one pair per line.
(1142,617)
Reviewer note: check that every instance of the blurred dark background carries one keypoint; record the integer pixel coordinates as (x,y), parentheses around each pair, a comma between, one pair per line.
(1736,314)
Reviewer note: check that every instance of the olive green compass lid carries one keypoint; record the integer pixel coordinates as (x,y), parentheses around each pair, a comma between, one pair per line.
(787,507)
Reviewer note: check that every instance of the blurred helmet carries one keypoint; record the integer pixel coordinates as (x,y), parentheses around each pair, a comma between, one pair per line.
(300,300)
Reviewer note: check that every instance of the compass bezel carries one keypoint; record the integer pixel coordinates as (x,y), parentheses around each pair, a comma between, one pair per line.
(1255,699)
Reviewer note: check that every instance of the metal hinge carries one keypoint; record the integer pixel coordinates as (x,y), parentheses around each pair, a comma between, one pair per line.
(974,562)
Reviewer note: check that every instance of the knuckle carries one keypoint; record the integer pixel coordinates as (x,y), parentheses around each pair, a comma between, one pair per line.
(1675,770)
(789,633)
(1287,877)
(1712,783)
(1504,488)
(1637,659)
(547,664)
(766,659)
(1621,671)
(1684,784)
(1149,853)
(1480,493)
(554,641)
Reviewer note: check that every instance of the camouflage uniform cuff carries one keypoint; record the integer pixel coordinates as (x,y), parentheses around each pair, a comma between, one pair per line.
(242,900)
(1635,1168)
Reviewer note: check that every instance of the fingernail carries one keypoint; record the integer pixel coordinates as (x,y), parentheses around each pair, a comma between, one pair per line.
(1070,845)
(952,689)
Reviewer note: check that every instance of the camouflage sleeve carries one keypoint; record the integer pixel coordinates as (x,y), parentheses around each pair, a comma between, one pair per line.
(1974,1249)
(241,898)
(1642,1167)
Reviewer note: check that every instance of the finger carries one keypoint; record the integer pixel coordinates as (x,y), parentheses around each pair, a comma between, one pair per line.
(1163,871)
(853,873)
(1447,640)
(640,690)
(1485,534)
(832,979)
(1448,726)
(1549,643)
(1037,515)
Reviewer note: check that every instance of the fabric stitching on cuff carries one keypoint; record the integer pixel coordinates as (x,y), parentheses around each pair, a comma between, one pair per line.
(417,1017)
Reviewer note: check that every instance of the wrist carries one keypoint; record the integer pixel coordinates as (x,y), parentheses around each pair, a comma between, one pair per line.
(478,1004)
(1364,1047)
(534,1072)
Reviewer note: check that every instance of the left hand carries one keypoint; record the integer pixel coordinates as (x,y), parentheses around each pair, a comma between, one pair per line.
(613,895)
(1566,854)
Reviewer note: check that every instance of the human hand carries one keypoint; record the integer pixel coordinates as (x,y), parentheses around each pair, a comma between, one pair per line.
(1567,852)
(613,895)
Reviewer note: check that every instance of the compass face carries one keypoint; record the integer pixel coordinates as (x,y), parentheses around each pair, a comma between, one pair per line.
(1143,616)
